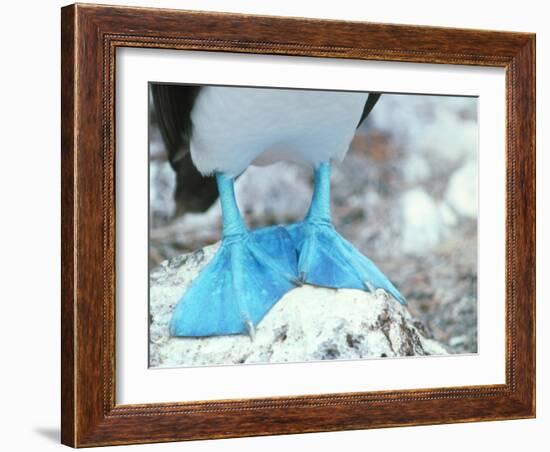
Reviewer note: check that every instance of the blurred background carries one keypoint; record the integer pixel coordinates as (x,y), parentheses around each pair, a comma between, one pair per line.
(405,195)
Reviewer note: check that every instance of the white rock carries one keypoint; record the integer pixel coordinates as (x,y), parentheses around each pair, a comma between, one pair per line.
(462,191)
(423,227)
(448,217)
(308,323)
(416,168)
(162,183)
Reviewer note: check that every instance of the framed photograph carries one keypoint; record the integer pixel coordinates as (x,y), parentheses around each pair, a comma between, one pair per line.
(282,225)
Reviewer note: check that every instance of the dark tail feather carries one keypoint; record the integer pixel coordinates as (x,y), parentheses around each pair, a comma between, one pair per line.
(369,105)
(173,105)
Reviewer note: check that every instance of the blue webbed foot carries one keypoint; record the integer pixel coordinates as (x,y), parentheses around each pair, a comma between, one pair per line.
(327,259)
(248,274)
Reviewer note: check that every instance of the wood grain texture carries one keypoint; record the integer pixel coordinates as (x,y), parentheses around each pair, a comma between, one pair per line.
(68,310)
(90,36)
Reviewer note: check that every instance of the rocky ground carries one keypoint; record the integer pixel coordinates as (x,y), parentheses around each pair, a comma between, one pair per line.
(405,195)
(307,324)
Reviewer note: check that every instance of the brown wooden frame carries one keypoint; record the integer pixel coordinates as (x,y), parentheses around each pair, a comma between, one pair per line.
(90,35)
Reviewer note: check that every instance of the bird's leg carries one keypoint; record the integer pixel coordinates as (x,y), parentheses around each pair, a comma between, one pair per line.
(325,258)
(232,221)
(248,274)
(319,209)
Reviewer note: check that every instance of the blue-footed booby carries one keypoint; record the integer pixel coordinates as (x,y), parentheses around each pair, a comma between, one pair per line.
(219,131)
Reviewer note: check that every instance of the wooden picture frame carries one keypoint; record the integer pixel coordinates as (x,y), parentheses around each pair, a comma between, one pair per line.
(90,36)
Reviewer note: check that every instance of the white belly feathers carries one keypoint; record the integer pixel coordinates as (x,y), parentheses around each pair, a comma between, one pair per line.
(236,127)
